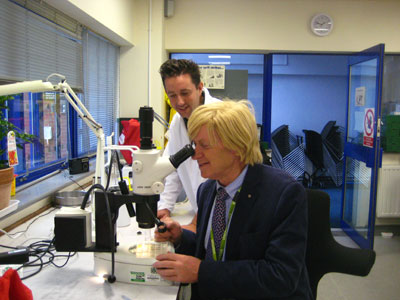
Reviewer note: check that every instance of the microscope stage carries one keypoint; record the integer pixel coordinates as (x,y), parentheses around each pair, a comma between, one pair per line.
(133,261)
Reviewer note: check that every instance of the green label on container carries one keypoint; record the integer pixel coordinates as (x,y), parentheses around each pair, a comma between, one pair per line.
(137,277)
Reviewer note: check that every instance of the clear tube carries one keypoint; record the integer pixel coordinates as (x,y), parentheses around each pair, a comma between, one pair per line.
(148,235)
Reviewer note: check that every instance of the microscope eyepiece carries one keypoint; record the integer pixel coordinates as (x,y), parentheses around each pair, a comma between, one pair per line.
(180,156)
(146,117)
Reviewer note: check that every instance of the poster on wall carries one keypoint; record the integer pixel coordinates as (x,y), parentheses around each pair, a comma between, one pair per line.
(360,96)
(369,117)
(213,76)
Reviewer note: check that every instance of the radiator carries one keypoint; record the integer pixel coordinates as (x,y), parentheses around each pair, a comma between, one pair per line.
(388,197)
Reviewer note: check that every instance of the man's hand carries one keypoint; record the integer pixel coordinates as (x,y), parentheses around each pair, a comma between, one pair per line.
(192,225)
(173,233)
(163,213)
(177,267)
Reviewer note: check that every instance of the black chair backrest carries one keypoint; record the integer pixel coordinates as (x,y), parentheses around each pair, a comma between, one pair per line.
(324,254)
(326,131)
(280,137)
(314,148)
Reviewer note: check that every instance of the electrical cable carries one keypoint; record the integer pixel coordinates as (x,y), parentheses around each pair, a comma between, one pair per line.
(119,167)
(62,77)
(16,235)
(161,120)
(43,253)
(8,247)
(43,250)
(70,178)
(111,278)
(161,227)
(109,171)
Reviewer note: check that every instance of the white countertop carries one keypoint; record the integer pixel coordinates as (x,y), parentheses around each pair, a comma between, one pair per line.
(77,280)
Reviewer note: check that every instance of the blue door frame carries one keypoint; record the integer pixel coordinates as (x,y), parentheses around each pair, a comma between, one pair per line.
(370,156)
(267,99)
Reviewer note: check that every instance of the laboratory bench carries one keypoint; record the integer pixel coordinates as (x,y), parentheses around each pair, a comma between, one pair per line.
(76,280)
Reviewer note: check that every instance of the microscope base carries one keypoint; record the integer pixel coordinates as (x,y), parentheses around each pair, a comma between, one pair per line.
(133,263)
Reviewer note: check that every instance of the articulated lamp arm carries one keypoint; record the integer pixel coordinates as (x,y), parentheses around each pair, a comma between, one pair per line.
(38,86)
(97,129)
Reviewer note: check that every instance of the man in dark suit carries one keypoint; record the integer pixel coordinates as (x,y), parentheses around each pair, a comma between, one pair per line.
(251,221)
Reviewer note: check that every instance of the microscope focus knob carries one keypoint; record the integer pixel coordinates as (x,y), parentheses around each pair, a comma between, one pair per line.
(137,166)
(157,187)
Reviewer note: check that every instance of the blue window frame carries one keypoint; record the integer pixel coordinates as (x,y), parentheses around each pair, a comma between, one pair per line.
(44,115)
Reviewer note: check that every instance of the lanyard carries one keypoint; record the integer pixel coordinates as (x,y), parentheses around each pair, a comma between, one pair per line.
(223,240)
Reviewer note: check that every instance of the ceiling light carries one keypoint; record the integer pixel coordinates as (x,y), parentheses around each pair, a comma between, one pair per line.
(219,56)
(219,63)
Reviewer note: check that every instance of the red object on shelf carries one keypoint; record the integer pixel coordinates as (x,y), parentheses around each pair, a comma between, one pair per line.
(130,135)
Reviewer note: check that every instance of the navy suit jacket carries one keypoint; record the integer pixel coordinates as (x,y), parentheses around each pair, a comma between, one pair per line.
(266,242)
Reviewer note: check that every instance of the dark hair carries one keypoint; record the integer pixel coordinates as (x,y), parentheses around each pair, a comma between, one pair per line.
(176,67)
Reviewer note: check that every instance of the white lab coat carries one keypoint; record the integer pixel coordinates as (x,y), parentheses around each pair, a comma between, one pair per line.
(187,176)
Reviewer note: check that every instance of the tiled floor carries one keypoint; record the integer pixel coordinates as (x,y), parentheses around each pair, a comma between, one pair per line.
(383,282)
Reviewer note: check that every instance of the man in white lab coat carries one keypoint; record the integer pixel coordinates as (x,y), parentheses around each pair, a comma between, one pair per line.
(182,84)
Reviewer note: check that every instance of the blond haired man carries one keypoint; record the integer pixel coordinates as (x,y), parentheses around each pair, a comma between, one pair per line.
(250,241)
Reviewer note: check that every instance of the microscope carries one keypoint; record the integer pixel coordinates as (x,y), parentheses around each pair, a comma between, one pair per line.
(133,256)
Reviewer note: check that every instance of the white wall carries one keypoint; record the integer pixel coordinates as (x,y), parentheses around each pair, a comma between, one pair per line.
(134,85)
(110,18)
(115,15)
(267,25)
(226,26)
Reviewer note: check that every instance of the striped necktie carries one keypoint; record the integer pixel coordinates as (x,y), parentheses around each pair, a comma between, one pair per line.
(218,222)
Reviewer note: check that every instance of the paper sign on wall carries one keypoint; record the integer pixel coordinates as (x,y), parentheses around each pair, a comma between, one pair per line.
(369,117)
(47,133)
(213,76)
(360,96)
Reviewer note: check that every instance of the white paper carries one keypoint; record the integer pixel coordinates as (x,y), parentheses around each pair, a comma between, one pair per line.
(213,76)
(360,96)
(47,132)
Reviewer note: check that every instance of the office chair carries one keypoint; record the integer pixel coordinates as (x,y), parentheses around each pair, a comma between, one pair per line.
(287,152)
(324,254)
(281,138)
(314,152)
(333,139)
(327,130)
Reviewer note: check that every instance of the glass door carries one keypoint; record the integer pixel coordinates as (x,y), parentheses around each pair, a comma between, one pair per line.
(362,151)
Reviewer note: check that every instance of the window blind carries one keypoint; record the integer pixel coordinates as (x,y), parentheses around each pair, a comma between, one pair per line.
(101,90)
(32,47)
(48,12)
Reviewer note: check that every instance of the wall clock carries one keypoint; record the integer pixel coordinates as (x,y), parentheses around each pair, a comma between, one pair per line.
(321,24)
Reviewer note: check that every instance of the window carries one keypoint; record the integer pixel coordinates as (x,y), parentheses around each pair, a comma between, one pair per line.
(36,47)
(45,116)
(243,76)
(391,85)
(100,89)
